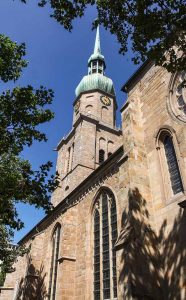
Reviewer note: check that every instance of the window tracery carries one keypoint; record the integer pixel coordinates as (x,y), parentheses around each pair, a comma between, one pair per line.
(105,235)
(177,99)
(172,163)
(181,92)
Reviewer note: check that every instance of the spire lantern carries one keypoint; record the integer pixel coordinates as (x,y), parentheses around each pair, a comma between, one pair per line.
(96,63)
(96,78)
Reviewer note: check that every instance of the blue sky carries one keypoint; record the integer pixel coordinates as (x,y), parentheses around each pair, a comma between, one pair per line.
(57,60)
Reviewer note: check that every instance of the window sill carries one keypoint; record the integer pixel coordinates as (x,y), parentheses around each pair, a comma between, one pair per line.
(182,204)
(179,198)
(62,258)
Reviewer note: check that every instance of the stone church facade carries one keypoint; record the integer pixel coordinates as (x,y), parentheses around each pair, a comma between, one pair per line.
(118,229)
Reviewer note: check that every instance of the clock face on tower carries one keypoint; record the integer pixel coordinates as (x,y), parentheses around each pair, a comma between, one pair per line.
(105,100)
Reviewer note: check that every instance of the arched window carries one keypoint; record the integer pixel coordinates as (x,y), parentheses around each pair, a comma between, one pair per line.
(101,156)
(105,114)
(110,147)
(105,235)
(89,109)
(102,150)
(174,173)
(54,263)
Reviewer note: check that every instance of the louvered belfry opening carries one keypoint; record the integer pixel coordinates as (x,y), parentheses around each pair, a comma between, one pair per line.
(105,235)
(174,172)
(101,156)
(54,263)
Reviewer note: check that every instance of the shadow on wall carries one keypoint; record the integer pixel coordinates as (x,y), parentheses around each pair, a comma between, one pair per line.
(153,265)
(32,287)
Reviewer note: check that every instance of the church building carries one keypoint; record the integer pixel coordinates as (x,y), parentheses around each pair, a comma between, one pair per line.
(118,228)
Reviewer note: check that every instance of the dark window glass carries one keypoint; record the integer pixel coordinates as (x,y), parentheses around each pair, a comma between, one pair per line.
(54,263)
(174,172)
(96,256)
(105,248)
(105,235)
(101,156)
(114,237)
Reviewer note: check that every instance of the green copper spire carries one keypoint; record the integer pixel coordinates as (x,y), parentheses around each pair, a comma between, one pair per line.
(96,79)
(96,63)
(97,47)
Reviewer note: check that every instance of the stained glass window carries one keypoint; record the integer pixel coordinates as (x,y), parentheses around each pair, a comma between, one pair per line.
(173,168)
(54,263)
(105,235)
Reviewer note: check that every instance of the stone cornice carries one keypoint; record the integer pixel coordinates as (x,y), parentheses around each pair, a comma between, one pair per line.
(136,75)
(91,119)
(65,139)
(6,288)
(125,106)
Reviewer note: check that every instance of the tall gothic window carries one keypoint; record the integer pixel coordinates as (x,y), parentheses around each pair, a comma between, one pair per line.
(174,173)
(105,235)
(54,262)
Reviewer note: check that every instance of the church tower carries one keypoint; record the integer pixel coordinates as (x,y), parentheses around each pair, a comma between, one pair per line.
(94,136)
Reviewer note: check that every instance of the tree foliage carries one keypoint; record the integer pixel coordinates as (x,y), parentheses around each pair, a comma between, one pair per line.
(21,111)
(8,251)
(11,59)
(153,29)
(18,182)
